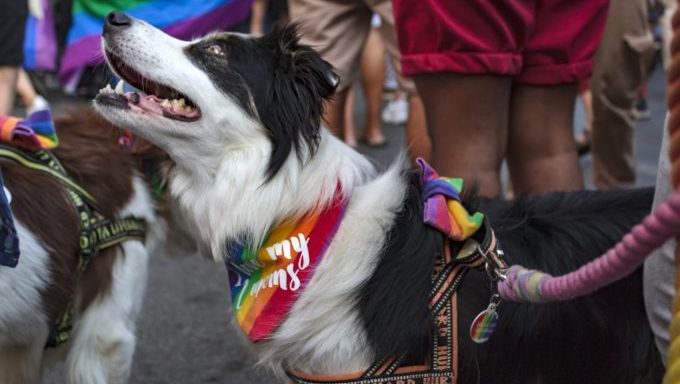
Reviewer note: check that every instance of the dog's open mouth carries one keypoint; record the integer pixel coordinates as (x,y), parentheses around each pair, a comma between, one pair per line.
(153,98)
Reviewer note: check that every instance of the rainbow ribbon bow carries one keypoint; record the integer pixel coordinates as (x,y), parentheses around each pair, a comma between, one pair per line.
(443,209)
(34,132)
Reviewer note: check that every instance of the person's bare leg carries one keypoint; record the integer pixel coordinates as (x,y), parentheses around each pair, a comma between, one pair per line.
(417,138)
(257,16)
(467,117)
(587,101)
(372,81)
(334,114)
(541,152)
(25,89)
(349,132)
(8,83)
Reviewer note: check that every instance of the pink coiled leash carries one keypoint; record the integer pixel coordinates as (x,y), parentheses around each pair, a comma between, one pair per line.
(523,284)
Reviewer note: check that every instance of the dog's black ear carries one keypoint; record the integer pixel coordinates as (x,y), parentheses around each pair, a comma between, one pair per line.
(293,56)
(302,82)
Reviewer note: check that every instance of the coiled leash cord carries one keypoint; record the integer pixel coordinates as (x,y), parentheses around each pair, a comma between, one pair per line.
(523,284)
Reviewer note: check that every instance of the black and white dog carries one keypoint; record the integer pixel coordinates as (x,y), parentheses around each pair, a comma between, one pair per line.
(240,117)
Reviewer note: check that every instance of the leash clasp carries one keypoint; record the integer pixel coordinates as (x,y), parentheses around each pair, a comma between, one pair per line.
(493,261)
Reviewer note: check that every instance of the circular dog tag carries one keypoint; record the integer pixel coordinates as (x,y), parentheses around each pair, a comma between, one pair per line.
(483,325)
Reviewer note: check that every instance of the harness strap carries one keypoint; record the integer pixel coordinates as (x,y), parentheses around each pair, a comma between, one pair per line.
(97,232)
(443,365)
(482,249)
(50,168)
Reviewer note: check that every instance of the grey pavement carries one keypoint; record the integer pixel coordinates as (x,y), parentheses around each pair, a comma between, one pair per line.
(186,333)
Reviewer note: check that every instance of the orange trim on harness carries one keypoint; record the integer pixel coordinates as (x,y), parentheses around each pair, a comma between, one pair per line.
(443,367)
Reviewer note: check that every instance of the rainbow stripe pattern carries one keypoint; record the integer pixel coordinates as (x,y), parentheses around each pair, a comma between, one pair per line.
(266,281)
(184,19)
(483,326)
(34,132)
(443,208)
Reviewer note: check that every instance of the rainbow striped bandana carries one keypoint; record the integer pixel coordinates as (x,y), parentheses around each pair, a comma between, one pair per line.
(443,209)
(265,282)
(34,132)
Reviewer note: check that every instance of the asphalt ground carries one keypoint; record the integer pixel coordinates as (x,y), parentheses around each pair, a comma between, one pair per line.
(186,333)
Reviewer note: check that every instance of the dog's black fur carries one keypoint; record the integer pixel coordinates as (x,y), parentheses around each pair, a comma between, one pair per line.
(288,82)
(394,301)
(603,338)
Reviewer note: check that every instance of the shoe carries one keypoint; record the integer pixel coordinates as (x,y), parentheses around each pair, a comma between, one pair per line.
(641,110)
(39,104)
(375,142)
(395,112)
(583,143)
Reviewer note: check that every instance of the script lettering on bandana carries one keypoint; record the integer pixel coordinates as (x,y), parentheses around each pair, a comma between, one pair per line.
(283,278)
(265,282)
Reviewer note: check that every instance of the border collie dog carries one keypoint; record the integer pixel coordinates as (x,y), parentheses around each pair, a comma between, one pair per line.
(240,117)
(107,297)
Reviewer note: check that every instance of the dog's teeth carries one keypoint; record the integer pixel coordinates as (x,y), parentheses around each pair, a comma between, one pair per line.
(181,103)
(119,87)
(106,89)
(166,103)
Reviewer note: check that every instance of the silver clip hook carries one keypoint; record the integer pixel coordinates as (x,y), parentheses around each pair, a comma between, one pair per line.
(494,266)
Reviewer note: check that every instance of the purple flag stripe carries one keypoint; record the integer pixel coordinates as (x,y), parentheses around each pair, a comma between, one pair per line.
(46,55)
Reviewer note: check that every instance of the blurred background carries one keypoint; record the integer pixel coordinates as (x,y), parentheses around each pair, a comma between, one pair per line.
(186,333)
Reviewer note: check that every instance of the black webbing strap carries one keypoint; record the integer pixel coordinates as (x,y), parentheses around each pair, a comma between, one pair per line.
(481,250)
(443,362)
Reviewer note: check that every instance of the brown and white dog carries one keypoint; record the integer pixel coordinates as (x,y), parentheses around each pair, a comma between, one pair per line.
(108,298)
(240,117)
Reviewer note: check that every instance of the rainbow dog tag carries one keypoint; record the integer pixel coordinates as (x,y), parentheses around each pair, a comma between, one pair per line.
(484,324)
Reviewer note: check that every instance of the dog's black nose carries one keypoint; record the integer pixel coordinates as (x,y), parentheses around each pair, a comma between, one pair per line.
(116,20)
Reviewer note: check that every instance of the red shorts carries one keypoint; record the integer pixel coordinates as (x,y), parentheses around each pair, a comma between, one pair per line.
(541,42)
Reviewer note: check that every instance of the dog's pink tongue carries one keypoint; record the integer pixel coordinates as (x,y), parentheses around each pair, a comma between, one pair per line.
(148,103)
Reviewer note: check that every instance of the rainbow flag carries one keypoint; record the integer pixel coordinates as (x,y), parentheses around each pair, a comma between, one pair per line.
(266,282)
(184,19)
(40,42)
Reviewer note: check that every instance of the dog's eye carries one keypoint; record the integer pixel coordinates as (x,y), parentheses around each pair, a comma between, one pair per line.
(216,49)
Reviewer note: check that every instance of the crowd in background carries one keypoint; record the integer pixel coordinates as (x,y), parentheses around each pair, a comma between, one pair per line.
(477,84)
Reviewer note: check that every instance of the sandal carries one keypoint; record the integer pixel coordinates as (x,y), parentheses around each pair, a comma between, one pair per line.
(376,142)
(583,142)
